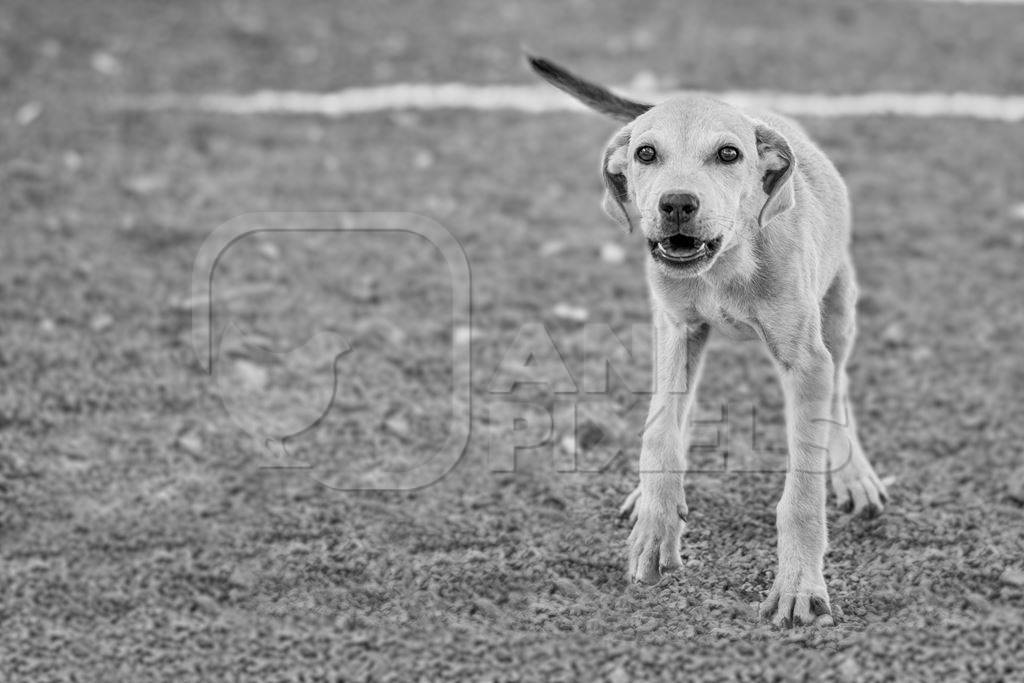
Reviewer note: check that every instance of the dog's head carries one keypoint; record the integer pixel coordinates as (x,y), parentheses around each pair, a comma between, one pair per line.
(696,175)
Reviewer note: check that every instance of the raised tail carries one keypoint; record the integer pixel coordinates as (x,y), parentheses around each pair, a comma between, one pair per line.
(595,96)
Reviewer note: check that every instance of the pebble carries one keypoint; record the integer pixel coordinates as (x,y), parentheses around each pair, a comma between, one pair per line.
(612,253)
(144,185)
(72,160)
(191,443)
(894,334)
(644,81)
(251,375)
(619,675)
(101,322)
(462,335)
(552,248)
(397,425)
(567,588)
(105,63)
(423,159)
(28,112)
(269,251)
(849,670)
(564,311)
(1013,576)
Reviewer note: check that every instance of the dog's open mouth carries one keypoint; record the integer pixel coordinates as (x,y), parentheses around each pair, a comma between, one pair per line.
(680,250)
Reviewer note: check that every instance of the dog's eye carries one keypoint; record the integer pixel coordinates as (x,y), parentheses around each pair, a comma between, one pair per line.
(646,154)
(728,154)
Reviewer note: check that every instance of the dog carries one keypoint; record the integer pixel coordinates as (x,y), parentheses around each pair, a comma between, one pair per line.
(747,225)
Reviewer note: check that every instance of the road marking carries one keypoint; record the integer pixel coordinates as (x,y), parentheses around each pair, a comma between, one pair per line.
(535,99)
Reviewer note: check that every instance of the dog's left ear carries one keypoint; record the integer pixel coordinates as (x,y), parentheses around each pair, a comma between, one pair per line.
(776,163)
(617,202)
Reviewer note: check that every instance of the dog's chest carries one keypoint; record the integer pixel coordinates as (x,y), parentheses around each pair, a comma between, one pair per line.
(730,321)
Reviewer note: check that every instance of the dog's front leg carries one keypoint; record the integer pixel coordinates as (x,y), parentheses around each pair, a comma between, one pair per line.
(658,505)
(798,594)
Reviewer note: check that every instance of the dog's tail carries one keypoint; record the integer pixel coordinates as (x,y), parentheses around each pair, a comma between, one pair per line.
(591,94)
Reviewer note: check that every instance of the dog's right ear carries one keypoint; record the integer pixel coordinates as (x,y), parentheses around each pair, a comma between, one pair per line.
(617,202)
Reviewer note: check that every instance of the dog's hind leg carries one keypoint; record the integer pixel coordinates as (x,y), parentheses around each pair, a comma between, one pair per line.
(856,486)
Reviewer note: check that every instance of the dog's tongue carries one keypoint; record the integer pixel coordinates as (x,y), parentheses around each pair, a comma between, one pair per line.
(680,251)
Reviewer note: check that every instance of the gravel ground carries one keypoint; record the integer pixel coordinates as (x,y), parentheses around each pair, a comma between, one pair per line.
(142,536)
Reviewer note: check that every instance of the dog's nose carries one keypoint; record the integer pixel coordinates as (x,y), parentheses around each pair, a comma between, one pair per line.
(678,207)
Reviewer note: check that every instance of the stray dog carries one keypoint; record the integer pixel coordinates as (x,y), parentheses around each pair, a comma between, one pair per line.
(748,229)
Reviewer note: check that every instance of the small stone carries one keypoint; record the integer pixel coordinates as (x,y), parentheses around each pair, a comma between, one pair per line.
(252,376)
(144,185)
(423,159)
(1012,576)
(552,248)
(47,326)
(406,119)
(978,602)
(462,335)
(269,251)
(849,670)
(566,311)
(72,160)
(644,81)
(487,608)
(619,675)
(397,425)
(28,112)
(921,354)
(894,334)
(612,253)
(567,588)
(101,322)
(105,63)
(191,443)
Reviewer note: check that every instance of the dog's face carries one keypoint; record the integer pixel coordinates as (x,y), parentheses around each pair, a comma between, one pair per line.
(698,177)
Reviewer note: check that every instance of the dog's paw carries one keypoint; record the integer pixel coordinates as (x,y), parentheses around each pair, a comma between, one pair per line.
(860,491)
(797,601)
(654,541)
(630,508)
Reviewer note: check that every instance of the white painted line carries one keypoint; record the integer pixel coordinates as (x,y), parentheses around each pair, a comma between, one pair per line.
(542,98)
(970,2)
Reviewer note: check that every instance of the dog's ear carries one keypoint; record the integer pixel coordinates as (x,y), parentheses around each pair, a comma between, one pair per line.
(776,163)
(617,202)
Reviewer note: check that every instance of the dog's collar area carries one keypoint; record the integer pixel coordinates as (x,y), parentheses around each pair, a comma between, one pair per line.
(683,249)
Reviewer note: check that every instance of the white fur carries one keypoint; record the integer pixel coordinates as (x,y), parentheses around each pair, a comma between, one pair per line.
(783,274)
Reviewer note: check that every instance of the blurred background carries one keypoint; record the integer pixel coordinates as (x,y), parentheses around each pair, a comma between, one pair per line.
(142,535)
